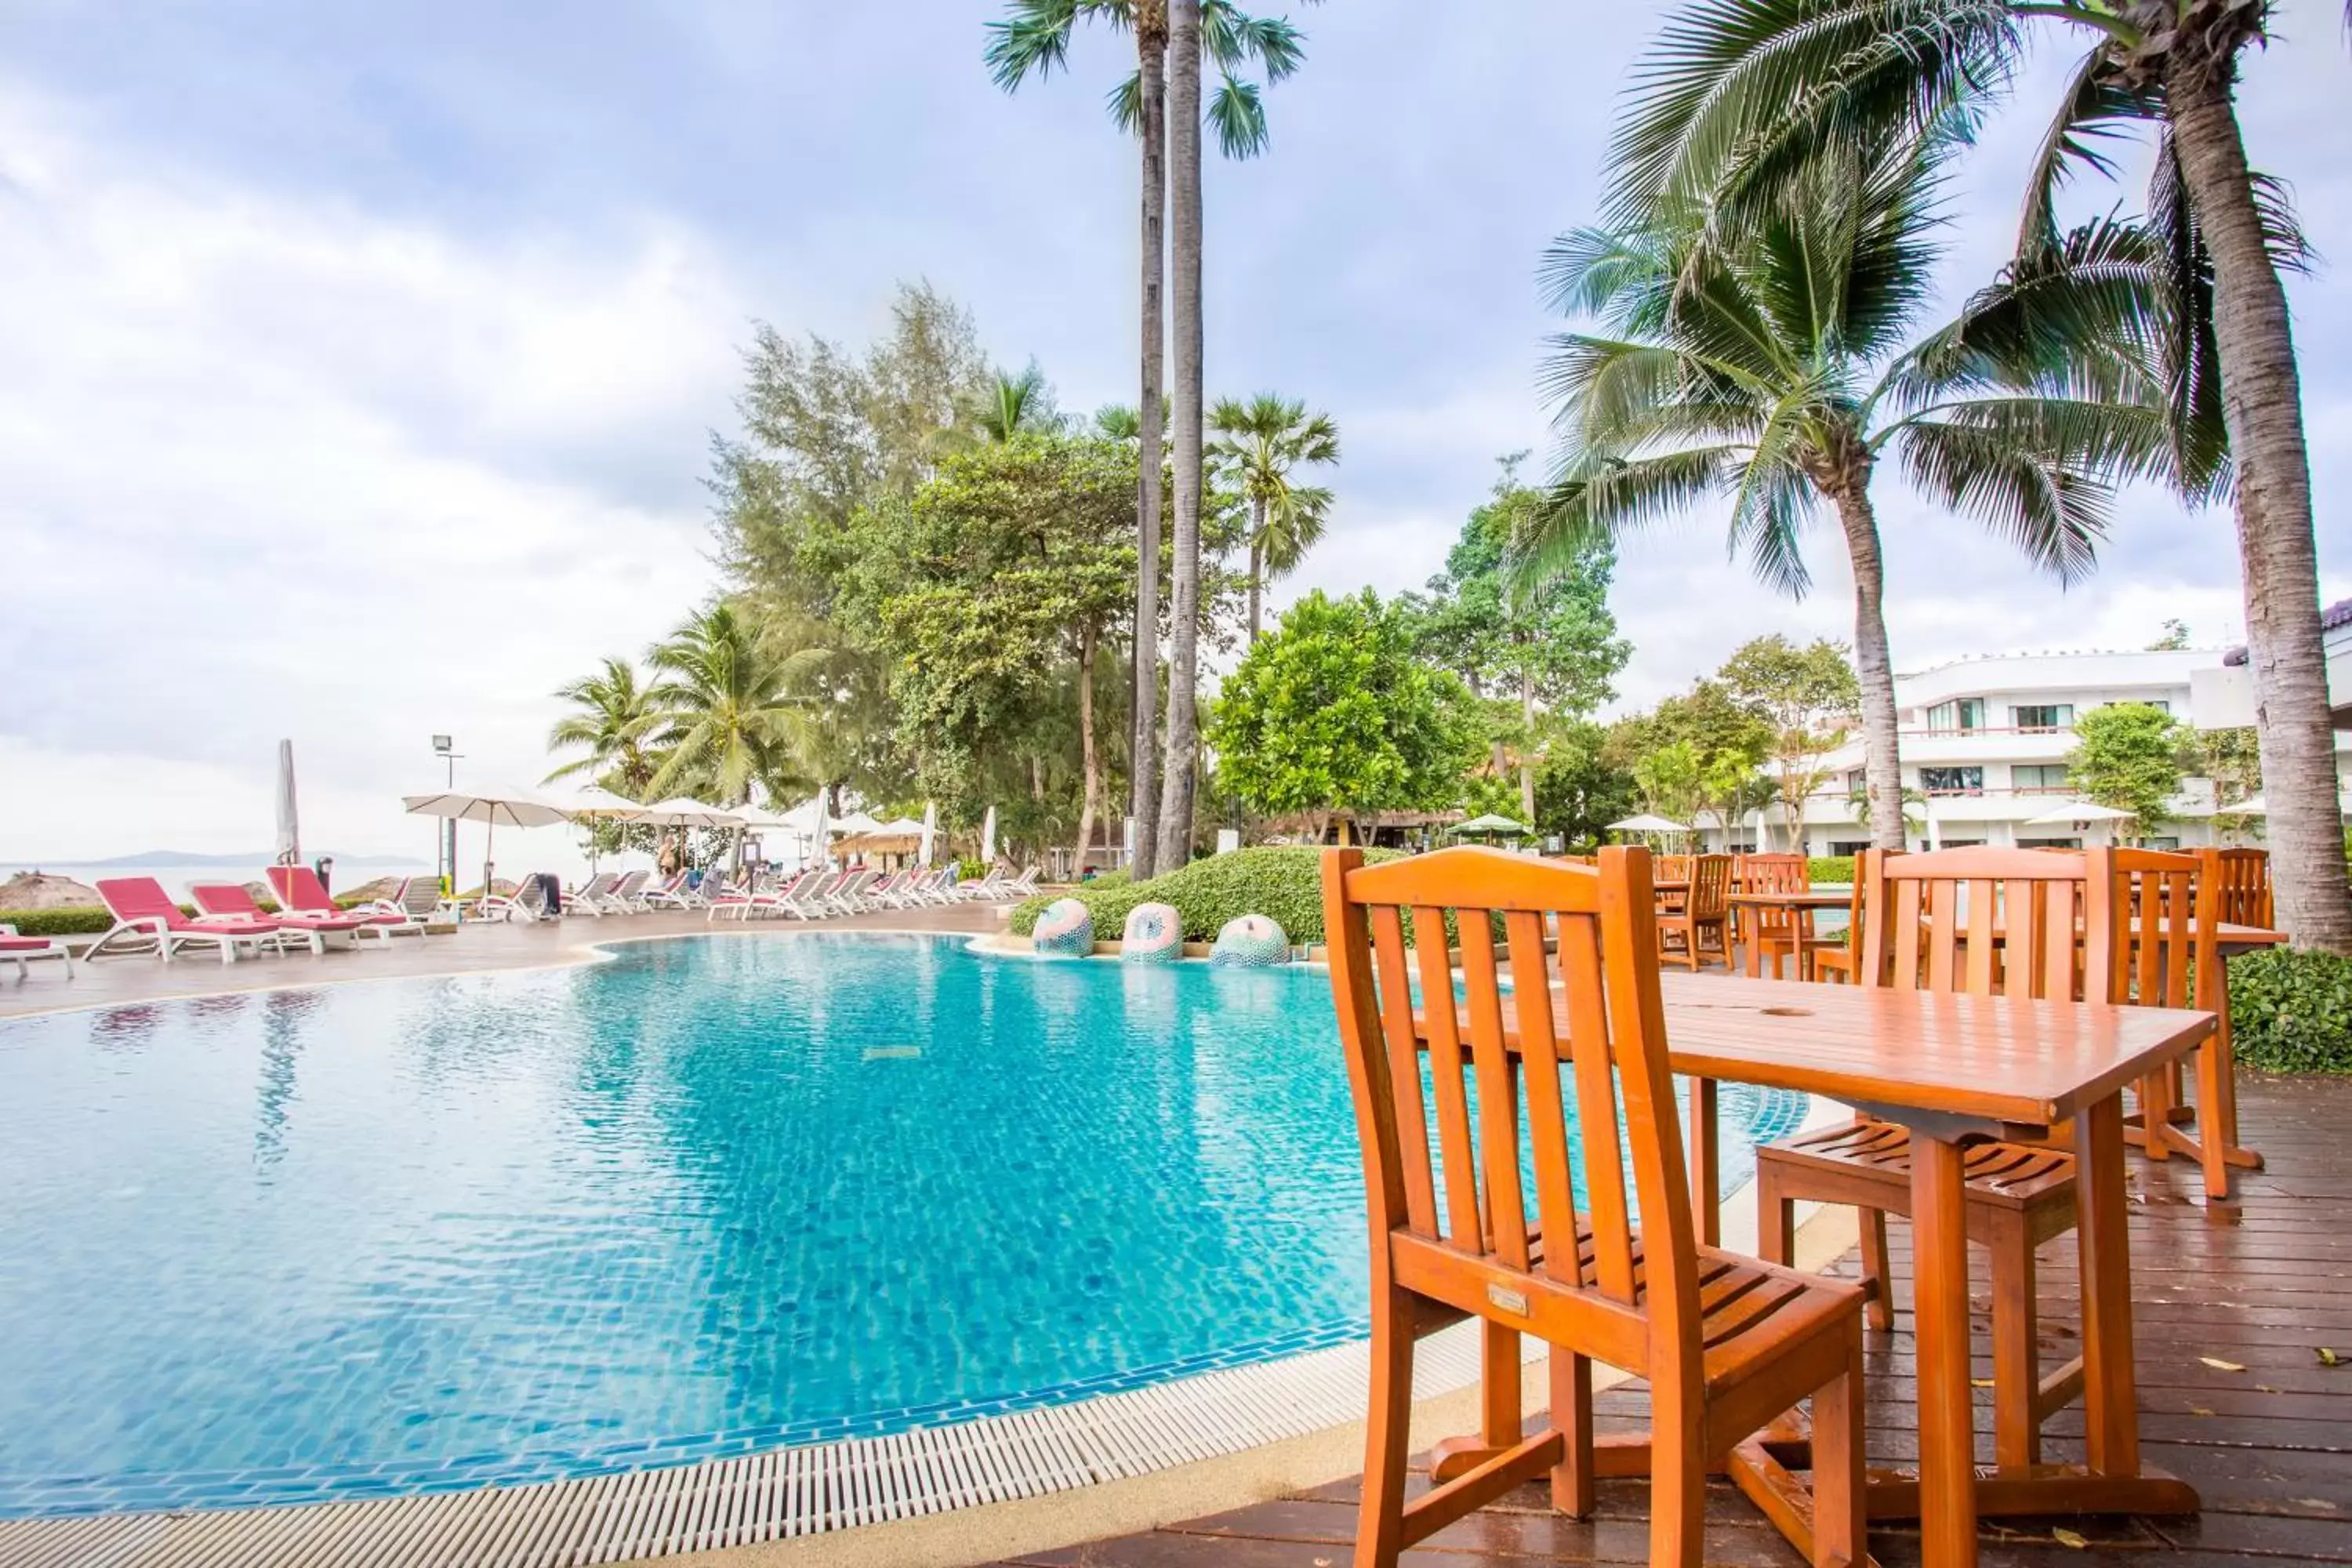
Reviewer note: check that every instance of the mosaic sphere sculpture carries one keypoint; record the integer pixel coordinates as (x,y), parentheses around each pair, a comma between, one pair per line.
(1067,930)
(1155,934)
(1252,941)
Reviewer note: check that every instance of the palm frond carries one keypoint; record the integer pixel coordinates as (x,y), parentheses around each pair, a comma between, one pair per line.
(1034,41)
(1237,114)
(1773,497)
(1602,498)
(2096,108)
(2055,513)
(1125,103)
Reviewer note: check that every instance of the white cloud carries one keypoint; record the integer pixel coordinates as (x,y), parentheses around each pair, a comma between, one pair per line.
(279,469)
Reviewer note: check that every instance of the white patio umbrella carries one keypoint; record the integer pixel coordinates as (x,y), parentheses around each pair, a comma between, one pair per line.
(591,804)
(856,822)
(930,830)
(2080,811)
(492,806)
(988,837)
(681,812)
(2253,805)
(289,822)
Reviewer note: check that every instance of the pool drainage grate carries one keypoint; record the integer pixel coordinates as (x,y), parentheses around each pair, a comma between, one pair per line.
(782,1493)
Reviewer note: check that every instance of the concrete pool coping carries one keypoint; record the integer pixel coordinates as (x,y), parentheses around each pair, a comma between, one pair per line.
(946,1495)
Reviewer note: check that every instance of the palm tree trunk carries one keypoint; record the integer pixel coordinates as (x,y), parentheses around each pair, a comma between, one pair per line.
(1091,763)
(1257,566)
(2263,407)
(1143,756)
(1177,778)
(1873,668)
(1527,735)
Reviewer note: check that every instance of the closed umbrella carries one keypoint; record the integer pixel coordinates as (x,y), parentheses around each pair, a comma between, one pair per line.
(988,837)
(492,806)
(930,829)
(823,853)
(289,824)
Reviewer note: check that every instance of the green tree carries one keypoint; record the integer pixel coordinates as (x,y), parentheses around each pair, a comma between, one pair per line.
(2131,756)
(1673,781)
(1554,651)
(612,723)
(1810,695)
(1779,363)
(1740,92)
(2175,637)
(1258,445)
(1580,789)
(1009,405)
(1331,712)
(727,709)
(1034,38)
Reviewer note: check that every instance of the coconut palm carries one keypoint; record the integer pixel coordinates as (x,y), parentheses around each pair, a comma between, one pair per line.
(1258,444)
(1008,407)
(1035,38)
(617,717)
(1781,364)
(1739,91)
(728,706)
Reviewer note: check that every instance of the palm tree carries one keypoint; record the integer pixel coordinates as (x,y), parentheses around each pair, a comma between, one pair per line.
(1009,405)
(1778,364)
(614,719)
(727,705)
(1259,443)
(1035,37)
(1740,90)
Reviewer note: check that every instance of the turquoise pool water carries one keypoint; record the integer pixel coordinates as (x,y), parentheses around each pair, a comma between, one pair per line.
(712,1196)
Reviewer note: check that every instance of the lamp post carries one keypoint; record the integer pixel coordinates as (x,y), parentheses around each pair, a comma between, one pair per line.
(445,848)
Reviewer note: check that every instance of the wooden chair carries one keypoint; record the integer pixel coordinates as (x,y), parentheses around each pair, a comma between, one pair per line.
(1706,908)
(1837,961)
(2245,879)
(2011,922)
(2168,910)
(1775,933)
(1728,1344)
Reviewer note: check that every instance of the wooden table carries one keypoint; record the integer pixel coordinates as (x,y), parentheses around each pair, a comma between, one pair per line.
(1957,1071)
(1800,902)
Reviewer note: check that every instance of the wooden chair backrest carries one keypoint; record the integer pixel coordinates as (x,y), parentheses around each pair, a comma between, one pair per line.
(2244,876)
(1672,869)
(1931,921)
(1616,1048)
(2164,910)
(1772,874)
(1710,888)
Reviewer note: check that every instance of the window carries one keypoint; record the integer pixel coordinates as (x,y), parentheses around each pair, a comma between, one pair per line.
(2037,778)
(2162,841)
(1962,714)
(2049,844)
(1952,781)
(2044,718)
(1848,846)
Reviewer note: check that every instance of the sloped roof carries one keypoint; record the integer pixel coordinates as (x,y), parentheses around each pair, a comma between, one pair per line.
(2336,617)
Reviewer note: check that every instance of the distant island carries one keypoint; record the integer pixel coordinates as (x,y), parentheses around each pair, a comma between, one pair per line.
(187,858)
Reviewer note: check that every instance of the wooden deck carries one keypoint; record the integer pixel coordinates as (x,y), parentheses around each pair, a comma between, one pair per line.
(2259,1284)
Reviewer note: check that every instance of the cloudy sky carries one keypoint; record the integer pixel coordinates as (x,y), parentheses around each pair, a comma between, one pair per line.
(358,362)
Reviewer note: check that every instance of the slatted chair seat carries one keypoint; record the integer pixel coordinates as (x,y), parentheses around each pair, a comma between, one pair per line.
(2012,1175)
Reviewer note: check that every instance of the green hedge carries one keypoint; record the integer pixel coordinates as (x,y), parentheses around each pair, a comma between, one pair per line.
(2291,1010)
(1284,883)
(1831,869)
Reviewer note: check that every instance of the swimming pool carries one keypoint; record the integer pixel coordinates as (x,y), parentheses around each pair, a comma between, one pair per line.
(715,1195)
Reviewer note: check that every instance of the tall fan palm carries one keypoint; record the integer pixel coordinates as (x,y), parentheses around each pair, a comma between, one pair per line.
(1035,38)
(1258,444)
(1738,92)
(1777,365)
(616,718)
(728,706)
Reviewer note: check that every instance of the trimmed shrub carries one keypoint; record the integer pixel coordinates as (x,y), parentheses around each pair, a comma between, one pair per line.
(2291,1011)
(1282,883)
(78,920)
(1830,869)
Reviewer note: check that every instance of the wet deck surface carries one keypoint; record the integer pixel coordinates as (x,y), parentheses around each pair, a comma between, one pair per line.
(2261,1283)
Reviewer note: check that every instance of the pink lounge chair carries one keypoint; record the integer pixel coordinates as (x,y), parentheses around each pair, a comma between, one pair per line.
(299,891)
(147,920)
(23,948)
(230,901)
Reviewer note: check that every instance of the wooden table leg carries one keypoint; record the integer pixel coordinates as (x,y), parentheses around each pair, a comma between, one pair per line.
(1748,923)
(1705,1163)
(1947,1478)
(2110,1398)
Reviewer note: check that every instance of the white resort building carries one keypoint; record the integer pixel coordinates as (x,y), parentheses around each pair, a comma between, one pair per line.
(1985,741)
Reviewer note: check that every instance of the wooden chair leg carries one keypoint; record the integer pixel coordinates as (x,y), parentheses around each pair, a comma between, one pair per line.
(1499,1424)
(1776,1218)
(2016,1353)
(2217,1111)
(1880,1311)
(1387,1431)
(1840,1478)
(1677,1479)
(1573,1480)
